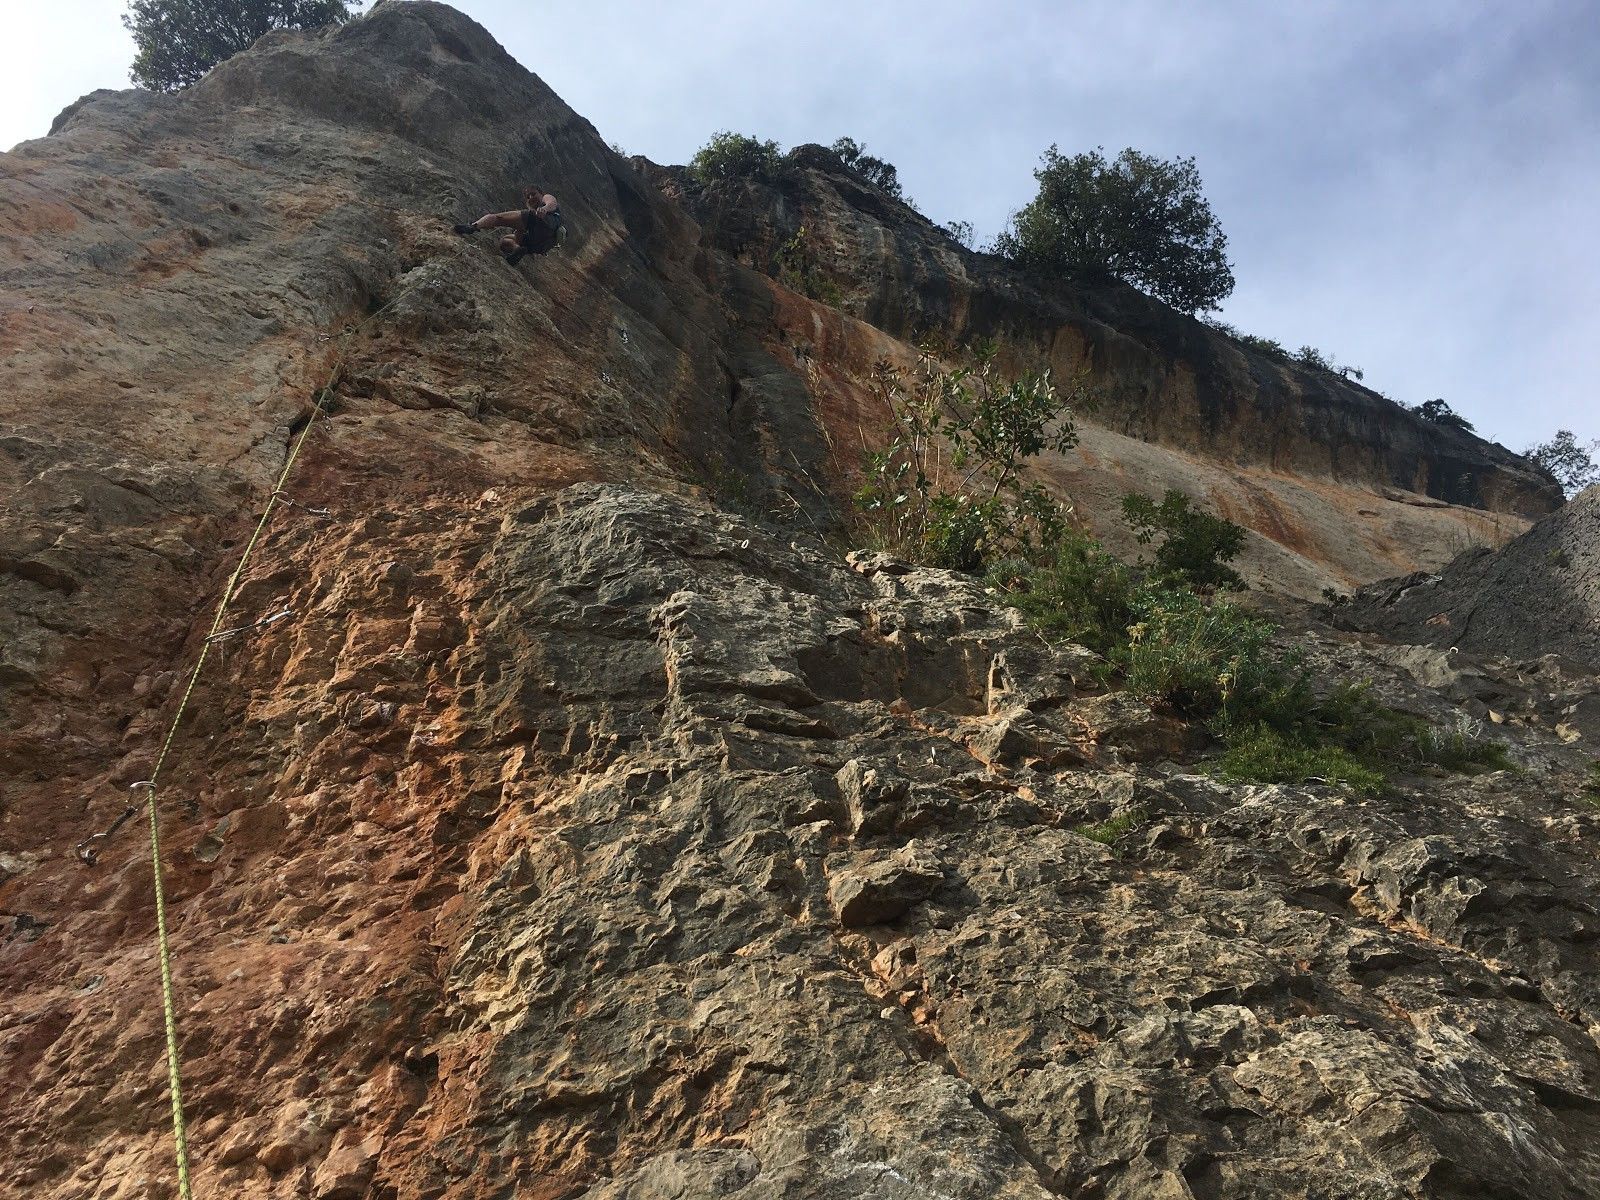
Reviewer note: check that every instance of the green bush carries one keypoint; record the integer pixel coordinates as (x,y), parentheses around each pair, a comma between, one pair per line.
(1137,218)
(947,489)
(1208,659)
(1262,754)
(959,532)
(1310,356)
(1081,593)
(1195,548)
(1173,643)
(1263,345)
(1351,721)
(736,156)
(795,266)
(1351,716)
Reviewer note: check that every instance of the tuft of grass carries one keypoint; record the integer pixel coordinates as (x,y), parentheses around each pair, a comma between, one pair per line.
(1209,659)
(1109,831)
(1261,754)
(1461,751)
(1350,716)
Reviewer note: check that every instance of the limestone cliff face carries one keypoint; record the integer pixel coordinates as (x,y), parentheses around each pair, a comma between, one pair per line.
(1336,485)
(1158,375)
(571,837)
(598,845)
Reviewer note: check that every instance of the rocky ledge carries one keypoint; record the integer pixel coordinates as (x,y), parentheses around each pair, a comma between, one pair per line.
(1157,375)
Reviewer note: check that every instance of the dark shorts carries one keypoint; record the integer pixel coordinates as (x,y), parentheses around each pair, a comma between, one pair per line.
(538,234)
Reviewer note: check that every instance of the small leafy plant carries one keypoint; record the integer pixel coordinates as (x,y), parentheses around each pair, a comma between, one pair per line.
(1079,592)
(797,268)
(947,489)
(1109,831)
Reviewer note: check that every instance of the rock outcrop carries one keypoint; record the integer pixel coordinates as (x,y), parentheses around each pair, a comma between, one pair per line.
(602,845)
(1537,595)
(570,836)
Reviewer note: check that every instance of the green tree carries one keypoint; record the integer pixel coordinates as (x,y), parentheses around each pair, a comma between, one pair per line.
(178,41)
(1440,413)
(735,156)
(963,233)
(1572,465)
(1139,219)
(871,169)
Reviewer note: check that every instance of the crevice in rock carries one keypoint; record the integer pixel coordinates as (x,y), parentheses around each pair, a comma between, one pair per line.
(929,1040)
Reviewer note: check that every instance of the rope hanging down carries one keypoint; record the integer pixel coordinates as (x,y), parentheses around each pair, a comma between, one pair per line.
(163,941)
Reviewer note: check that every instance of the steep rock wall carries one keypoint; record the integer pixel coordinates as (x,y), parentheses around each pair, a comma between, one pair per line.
(1538,594)
(598,845)
(1159,376)
(572,839)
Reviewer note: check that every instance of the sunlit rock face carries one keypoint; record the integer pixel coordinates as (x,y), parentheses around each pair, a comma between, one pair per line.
(576,835)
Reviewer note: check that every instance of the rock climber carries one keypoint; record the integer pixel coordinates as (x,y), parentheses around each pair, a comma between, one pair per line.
(535,229)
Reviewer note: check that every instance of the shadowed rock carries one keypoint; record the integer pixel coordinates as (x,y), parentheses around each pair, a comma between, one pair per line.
(1537,595)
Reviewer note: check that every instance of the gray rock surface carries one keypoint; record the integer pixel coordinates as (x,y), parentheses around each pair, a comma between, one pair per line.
(1538,594)
(578,839)
(717,896)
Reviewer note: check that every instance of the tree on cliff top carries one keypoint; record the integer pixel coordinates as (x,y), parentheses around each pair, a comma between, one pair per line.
(180,40)
(869,167)
(1572,465)
(734,155)
(1139,219)
(1440,413)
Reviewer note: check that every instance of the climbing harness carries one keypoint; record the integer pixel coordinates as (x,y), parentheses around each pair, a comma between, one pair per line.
(88,850)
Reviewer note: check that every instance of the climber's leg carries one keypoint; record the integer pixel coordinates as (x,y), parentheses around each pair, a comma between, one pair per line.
(505,220)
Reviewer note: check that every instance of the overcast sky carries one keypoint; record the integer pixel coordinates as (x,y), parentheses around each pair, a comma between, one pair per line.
(1410,187)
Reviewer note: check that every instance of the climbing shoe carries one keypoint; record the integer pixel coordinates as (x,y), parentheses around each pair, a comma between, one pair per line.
(515,257)
(466,230)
